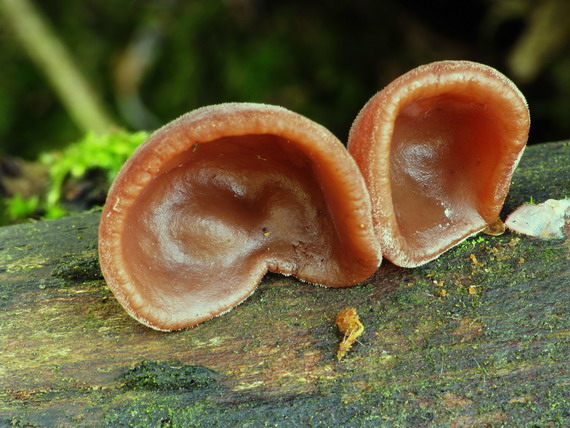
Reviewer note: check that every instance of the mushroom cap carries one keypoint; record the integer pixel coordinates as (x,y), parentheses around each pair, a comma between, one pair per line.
(213,200)
(437,148)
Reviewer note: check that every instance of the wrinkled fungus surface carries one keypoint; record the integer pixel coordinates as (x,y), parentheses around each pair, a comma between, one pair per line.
(217,198)
(437,148)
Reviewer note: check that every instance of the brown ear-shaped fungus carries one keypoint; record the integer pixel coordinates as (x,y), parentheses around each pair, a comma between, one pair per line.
(215,199)
(437,148)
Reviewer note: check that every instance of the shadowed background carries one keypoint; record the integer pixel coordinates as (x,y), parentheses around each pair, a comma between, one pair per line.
(151,61)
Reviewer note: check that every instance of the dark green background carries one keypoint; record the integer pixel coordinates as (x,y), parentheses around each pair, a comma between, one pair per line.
(323,59)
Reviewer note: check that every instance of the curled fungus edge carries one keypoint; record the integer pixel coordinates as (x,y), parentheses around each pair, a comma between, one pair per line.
(212,201)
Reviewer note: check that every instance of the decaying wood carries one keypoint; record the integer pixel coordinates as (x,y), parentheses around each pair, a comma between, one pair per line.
(479,336)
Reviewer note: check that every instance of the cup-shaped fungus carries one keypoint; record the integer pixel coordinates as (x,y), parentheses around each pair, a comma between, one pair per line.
(212,201)
(437,148)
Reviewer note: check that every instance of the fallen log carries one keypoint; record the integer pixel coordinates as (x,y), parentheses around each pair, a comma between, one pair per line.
(479,336)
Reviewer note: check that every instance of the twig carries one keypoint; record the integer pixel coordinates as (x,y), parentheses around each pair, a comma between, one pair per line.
(51,56)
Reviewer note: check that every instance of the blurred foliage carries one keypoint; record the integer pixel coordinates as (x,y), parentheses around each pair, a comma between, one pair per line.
(92,153)
(19,207)
(107,152)
(151,61)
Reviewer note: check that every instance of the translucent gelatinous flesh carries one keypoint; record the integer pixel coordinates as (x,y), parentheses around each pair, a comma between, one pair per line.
(437,148)
(214,200)
(233,206)
(443,158)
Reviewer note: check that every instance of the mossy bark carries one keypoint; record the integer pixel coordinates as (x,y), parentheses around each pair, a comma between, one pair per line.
(492,349)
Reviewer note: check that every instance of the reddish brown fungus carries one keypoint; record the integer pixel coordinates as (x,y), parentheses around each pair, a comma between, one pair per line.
(212,201)
(437,148)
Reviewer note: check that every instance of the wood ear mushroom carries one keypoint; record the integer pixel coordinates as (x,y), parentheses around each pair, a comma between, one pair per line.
(437,148)
(212,201)
(215,199)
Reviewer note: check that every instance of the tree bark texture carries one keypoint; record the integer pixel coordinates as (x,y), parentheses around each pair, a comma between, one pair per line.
(478,337)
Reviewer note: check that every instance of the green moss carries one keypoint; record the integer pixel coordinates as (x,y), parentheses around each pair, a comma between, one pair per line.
(154,375)
(27,263)
(151,410)
(107,152)
(541,175)
(93,152)
(73,269)
(473,399)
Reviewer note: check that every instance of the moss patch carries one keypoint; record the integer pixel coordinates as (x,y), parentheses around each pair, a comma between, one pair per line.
(73,269)
(159,376)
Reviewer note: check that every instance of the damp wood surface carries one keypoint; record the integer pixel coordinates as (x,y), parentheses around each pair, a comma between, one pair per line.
(478,337)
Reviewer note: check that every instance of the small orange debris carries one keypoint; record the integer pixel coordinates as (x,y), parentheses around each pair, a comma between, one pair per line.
(348,324)
(442,293)
(472,289)
(475,261)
